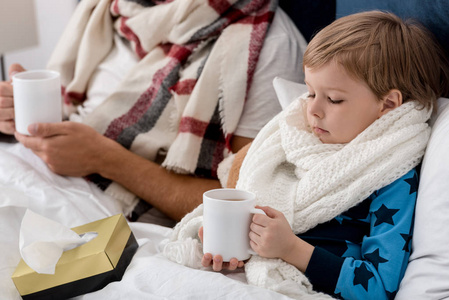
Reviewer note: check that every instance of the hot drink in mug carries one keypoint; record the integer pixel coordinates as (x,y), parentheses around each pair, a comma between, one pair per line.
(226,222)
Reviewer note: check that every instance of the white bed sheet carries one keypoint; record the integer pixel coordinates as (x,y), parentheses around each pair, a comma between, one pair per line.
(25,182)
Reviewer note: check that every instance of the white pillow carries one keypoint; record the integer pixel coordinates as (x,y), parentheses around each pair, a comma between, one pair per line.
(427,275)
(287,91)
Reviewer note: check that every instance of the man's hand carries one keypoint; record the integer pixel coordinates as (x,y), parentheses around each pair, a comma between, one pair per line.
(68,148)
(75,149)
(7,125)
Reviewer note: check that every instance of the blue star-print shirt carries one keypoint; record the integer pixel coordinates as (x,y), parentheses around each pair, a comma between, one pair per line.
(363,253)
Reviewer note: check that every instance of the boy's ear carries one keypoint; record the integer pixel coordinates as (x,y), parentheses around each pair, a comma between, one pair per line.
(392,100)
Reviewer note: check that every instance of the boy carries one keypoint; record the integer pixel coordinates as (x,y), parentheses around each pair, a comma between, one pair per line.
(337,169)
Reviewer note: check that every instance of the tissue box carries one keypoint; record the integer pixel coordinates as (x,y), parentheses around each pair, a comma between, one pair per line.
(84,269)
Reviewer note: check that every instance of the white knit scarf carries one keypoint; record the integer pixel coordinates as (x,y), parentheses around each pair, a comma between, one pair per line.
(291,170)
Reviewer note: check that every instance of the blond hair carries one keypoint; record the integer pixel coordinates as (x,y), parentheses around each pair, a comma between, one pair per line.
(386,53)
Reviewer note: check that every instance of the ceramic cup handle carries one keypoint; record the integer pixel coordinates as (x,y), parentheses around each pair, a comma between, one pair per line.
(255,211)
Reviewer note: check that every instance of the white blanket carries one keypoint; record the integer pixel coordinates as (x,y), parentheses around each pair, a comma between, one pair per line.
(25,182)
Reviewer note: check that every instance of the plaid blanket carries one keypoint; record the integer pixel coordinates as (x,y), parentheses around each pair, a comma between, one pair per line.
(184,98)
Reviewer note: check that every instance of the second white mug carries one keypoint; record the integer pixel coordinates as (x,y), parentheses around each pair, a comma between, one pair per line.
(226,222)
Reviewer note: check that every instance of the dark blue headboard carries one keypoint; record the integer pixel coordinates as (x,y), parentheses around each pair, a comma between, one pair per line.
(434,14)
(312,15)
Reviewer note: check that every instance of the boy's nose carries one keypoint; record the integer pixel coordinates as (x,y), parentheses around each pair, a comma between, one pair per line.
(314,107)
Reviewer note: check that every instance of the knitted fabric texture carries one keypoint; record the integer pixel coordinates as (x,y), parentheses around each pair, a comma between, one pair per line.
(291,170)
(184,98)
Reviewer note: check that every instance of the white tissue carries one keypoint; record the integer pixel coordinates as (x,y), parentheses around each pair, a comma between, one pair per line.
(42,242)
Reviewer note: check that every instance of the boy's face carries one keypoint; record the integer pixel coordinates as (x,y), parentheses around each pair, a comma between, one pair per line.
(339,107)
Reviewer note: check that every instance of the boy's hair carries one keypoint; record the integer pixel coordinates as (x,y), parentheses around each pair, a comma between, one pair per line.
(386,53)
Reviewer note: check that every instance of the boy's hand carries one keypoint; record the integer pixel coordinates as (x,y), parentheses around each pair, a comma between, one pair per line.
(271,236)
(217,261)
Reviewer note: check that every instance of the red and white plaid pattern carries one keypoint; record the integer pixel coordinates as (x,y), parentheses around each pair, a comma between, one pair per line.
(185,96)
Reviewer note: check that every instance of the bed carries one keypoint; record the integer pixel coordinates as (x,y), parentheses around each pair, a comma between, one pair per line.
(26,183)
(74,201)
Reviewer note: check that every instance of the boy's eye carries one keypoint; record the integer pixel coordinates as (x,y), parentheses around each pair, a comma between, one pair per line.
(334,101)
(330,100)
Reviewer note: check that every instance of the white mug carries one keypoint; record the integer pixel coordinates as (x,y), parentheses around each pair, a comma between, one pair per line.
(227,215)
(37,98)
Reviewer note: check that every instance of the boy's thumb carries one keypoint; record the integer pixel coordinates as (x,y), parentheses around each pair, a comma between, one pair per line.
(14,69)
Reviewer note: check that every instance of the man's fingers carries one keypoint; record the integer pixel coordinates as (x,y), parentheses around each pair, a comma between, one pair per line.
(8,127)
(6,89)
(14,69)
(47,129)
(6,102)
(27,141)
(7,114)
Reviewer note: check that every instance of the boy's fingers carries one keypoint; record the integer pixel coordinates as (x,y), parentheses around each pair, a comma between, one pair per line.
(233,264)
(200,233)
(218,263)
(207,259)
(261,220)
(271,212)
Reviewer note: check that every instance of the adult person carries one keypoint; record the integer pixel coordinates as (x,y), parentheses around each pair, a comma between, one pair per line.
(179,84)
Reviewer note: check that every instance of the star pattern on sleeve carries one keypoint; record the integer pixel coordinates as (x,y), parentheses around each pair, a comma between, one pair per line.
(407,238)
(374,240)
(413,182)
(385,215)
(375,258)
(391,295)
(362,275)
